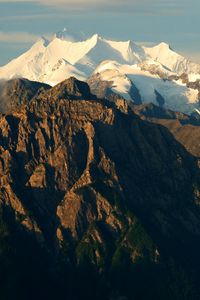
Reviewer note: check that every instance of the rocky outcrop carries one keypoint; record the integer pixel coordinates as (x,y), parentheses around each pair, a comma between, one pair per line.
(103,90)
(99,87)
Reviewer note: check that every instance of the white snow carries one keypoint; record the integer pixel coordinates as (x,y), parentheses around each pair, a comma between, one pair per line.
(177,96)
(197,111)
(122,62)
(193,77)
(170,59)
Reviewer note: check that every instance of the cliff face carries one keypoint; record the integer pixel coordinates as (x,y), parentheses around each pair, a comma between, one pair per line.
(90,179)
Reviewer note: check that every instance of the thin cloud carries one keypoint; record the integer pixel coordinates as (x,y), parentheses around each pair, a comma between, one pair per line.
(31,17)
(66,2)
(18,37)
(134,7)
(115,4)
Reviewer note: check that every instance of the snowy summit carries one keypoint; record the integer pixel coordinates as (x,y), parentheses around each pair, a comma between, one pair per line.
(152,70)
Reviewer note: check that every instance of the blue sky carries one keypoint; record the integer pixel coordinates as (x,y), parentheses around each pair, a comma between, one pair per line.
(176,22)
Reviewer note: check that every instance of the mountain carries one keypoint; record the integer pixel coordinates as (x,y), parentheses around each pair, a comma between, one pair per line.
(95,203)
(152,70)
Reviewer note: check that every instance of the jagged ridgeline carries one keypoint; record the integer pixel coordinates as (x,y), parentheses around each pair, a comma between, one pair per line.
(95,203)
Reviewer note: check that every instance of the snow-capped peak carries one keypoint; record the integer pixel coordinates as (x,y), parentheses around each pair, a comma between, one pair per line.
(163,46)
(125,63)
(95,38)
(175,62)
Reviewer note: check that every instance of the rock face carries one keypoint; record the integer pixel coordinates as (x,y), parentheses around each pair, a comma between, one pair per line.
(100,190)
(103,89)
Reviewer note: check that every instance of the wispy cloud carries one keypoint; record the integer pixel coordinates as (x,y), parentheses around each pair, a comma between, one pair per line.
(18,37)
(142,5)
(32,17)
(72,2)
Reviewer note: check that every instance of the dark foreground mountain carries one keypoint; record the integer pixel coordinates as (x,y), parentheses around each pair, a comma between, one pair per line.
(95,202)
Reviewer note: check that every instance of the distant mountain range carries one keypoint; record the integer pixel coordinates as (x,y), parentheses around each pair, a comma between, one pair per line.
(142,74)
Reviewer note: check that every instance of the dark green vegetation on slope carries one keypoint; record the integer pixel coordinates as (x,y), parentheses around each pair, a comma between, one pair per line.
(95,202)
